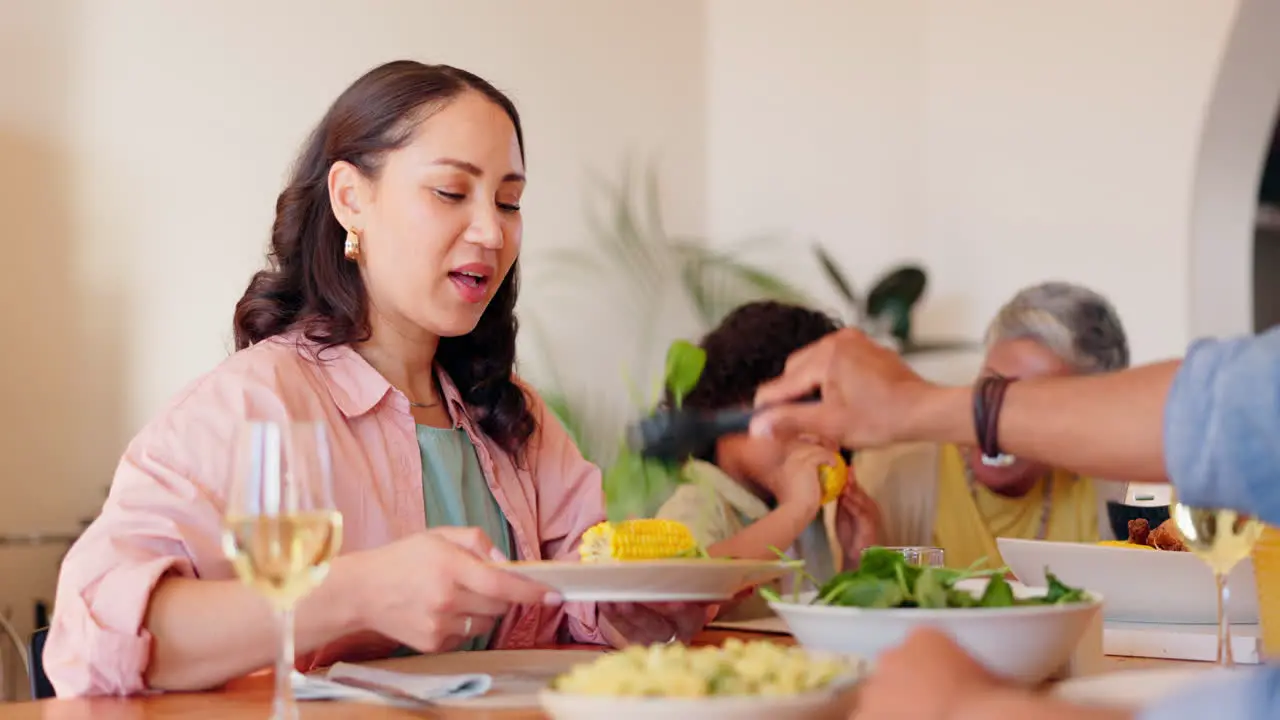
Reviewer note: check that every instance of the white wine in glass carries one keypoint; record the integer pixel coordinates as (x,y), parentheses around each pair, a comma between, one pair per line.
(281,528)
(1222,538)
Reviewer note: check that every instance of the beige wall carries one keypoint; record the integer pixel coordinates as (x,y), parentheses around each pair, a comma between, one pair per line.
(143,143)
(56,382)
(815,121)
(999,142)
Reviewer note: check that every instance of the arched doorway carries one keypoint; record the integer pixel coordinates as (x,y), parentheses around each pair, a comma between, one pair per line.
(1266,241)
(1235,140)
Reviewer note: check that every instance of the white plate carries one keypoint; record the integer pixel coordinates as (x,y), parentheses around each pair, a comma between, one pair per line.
(1153,586)
(832,704)
(1133,689)
(678,580)
(771,624)
(1026,644)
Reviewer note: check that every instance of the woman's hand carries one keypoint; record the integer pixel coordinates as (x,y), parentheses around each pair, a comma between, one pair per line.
(654,623)
(858,522)
(435,589)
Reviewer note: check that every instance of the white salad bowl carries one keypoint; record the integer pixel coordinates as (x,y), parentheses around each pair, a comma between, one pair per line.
(1025,644)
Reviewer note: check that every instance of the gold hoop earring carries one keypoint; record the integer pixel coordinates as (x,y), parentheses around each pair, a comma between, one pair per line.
(351,248)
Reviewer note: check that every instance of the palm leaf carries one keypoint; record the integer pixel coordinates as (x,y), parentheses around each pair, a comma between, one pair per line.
(562,409)
(625,241)
(770,285)
(692,277)
(724,293)
(716,284)
(653,197)
(838,279)
(533,325)
(758,281)
(574,260)
(555,398)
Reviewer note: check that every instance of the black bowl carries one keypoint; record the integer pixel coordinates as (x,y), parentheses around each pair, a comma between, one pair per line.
(1120,514)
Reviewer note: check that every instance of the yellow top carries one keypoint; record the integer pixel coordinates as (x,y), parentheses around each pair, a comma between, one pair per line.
(968,521)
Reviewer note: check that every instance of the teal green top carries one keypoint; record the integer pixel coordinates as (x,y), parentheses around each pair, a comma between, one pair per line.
(456,493)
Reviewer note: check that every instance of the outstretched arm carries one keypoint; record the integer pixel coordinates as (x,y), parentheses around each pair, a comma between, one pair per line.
(1209,422)
(1102,425)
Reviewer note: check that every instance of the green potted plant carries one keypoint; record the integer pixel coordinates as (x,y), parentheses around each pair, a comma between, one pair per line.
(633,248)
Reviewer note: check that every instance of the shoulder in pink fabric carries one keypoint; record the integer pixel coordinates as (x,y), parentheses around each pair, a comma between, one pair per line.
(163,514)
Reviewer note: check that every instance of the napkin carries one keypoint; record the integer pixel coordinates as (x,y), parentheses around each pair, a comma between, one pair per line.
(428,688)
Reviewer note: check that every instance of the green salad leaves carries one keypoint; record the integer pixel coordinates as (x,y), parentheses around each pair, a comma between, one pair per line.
(634,485)
(884,579)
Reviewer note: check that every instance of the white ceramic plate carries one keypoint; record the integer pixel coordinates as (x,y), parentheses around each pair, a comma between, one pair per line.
(677,580)
(1025,644)
(832,704)
(1133,689)
(1152,586)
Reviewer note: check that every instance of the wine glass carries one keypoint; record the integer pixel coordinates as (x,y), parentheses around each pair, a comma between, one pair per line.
(923,556)
(281,528)
(1222,538)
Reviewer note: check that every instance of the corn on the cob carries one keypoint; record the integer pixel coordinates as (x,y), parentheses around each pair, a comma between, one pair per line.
(833,478)
(637,540)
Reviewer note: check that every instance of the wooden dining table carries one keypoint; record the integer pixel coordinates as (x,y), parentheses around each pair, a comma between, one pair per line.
(250,698)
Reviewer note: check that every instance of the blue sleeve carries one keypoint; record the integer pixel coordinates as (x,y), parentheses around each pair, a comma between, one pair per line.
(1222,425)
(1246,694)
(1222,447)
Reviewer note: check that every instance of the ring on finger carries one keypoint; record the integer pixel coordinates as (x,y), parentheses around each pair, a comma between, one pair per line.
(466,625)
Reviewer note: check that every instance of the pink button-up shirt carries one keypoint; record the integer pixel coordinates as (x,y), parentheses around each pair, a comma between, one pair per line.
(164,512)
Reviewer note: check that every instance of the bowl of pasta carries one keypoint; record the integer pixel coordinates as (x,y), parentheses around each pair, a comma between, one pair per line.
(738,681)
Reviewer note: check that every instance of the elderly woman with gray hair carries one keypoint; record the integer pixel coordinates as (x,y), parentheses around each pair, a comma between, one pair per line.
(952,497)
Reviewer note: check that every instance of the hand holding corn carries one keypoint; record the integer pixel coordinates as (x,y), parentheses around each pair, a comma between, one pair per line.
(810,476)
(833,476)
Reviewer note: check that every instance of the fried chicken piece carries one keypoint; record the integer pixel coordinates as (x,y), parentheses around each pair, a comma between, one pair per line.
(1138,531)
(1166,537)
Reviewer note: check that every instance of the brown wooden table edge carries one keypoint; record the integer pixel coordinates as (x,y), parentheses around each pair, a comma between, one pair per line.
(250,697)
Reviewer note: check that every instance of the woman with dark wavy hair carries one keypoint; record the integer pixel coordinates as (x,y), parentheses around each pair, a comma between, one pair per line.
(386,312)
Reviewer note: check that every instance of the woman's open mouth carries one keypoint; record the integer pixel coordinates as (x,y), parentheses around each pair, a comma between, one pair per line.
(472,281)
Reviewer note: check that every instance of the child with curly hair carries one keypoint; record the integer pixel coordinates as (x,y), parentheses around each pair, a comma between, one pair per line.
(751,495)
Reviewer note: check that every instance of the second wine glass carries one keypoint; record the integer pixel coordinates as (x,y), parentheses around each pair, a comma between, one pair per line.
(281,527)
(1222,538)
